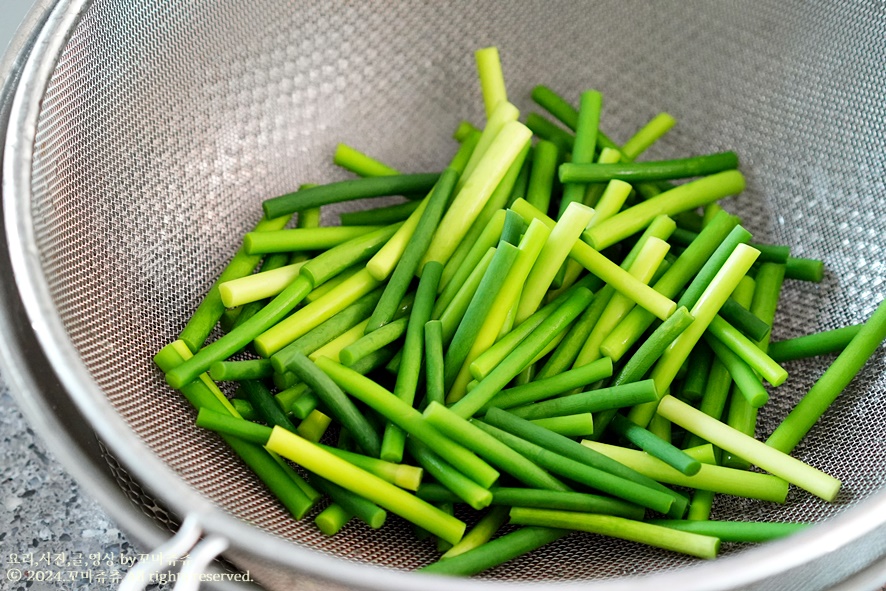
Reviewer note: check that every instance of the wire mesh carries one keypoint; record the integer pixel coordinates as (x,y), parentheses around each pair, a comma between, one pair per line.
(167,123)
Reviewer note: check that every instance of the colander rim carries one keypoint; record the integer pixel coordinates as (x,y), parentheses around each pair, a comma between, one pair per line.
(745,568)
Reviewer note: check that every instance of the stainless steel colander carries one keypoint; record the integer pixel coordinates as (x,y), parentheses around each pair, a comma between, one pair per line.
(142,135)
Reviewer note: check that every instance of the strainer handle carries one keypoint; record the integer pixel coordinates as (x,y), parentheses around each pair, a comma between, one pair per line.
(161,558)
(203,554)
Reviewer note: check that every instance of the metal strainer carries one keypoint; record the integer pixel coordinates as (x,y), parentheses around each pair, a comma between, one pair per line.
(145,133)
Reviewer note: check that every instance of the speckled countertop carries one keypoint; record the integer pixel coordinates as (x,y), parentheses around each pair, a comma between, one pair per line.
(51,533)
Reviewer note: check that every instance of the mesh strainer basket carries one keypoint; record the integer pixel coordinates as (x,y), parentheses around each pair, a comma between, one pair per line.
(145,133)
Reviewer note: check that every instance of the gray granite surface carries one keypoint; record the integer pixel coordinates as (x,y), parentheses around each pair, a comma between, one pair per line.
(52,535)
